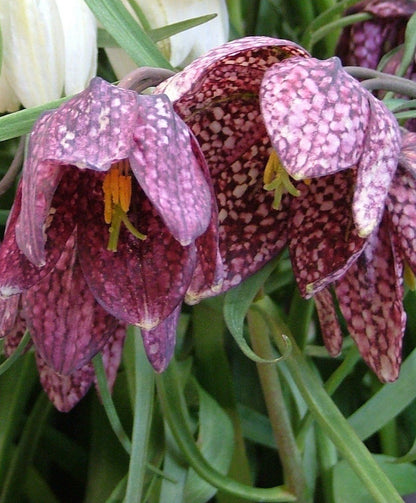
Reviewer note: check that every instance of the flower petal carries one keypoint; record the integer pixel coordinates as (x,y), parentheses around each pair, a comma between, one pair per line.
(112,353)
(143,281)
(212,74)
(159,343)
(370,296)
(316,115)
(328,319)
(91,130)
(167,169)
(17,273)
(401,203)
(376,168)
(9,310)
(65,391)
(408,152)
(67,325)
(323,241)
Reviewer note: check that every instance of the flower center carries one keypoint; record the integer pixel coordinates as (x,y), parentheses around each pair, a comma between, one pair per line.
(276,178)
(117,198)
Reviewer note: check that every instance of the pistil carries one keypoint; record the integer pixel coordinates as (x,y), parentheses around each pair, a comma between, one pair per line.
(276,178)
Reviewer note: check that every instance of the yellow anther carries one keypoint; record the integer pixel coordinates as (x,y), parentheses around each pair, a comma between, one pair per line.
(124,183)
(108,201)
(276,178)
(114,175)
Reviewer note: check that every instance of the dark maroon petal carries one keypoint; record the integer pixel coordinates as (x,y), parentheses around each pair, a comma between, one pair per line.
(166,168)
(65,391)
(376,168)
(389,8)
(236,147)
(370,296)
(316,115)
(328,319)
(323,241)
(143,281)
(407,157)
(67,325)
(15,335)
(401,203)
(17,273)
(159,343)
(91,130)
(205,77)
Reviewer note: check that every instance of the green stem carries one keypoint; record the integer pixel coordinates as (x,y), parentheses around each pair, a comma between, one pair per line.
(279,417)
(143,407)
(336,25)
(174,409)
(325,412)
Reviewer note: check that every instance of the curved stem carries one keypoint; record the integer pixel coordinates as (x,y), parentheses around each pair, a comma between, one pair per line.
(326,413)
(276,407)
(141,78)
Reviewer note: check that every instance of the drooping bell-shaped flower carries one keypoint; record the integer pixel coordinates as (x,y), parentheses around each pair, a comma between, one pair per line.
(49,49)
(366,42)
(184,46)
(113,200)
(64,388)
(370,293)
(267,114)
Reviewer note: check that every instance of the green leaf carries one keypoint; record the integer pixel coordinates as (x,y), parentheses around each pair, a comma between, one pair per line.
(167,31)
(129,35)
(175,411)
(215,439)
(348,488)
(21,122)
(374,414)
(236,304)
(409,46)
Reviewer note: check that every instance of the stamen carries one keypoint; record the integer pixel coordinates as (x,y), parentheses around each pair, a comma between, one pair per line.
(277,178)
(117,198)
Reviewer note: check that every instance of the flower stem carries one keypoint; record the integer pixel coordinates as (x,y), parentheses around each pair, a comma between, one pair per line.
(275,403)
(327,415)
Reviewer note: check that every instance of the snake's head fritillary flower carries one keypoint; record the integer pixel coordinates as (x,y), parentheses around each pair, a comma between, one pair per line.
(266,114)
(366,42)
(114,196)
(370,293)
(49,49)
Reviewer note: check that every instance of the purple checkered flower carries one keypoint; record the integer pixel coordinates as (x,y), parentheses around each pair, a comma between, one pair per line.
(370,293)
(366,42)
(113,208)
(260,102)
(63,389)
(267,115)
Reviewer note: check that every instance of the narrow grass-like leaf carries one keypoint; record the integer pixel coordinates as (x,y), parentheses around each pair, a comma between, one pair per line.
(374,414)
(236,304)
(215,439)
(21,122)
(175,412)
(325,411)
(25,451)
(347,488)
(109,404)
(143,407)
(19,350)
(409,46)
(121,25)
(167,31)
